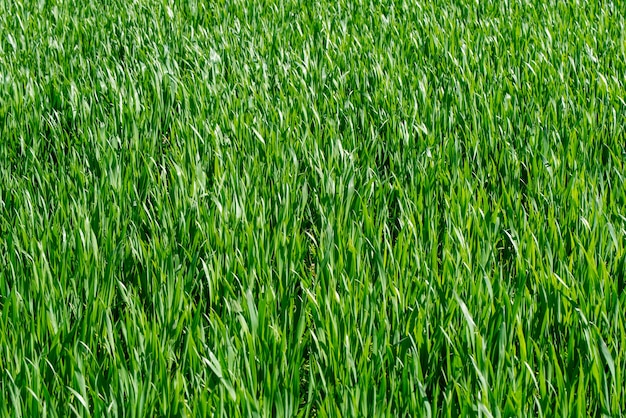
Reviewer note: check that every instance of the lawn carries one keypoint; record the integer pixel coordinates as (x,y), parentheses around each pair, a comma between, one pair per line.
(312,208)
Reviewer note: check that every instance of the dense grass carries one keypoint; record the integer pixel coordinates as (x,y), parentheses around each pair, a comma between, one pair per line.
(331,208)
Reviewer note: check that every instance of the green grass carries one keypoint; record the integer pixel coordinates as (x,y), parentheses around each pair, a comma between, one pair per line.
(312,208)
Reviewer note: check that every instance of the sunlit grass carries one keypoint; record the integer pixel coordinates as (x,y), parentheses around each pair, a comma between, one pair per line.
(285,208)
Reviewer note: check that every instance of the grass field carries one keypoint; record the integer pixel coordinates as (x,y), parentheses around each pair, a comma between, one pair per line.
(312,208)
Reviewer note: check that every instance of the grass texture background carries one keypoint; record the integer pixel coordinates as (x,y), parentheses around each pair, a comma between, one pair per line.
(312,208)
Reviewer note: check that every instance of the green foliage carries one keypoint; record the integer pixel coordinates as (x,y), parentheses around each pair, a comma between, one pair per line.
(324,208)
